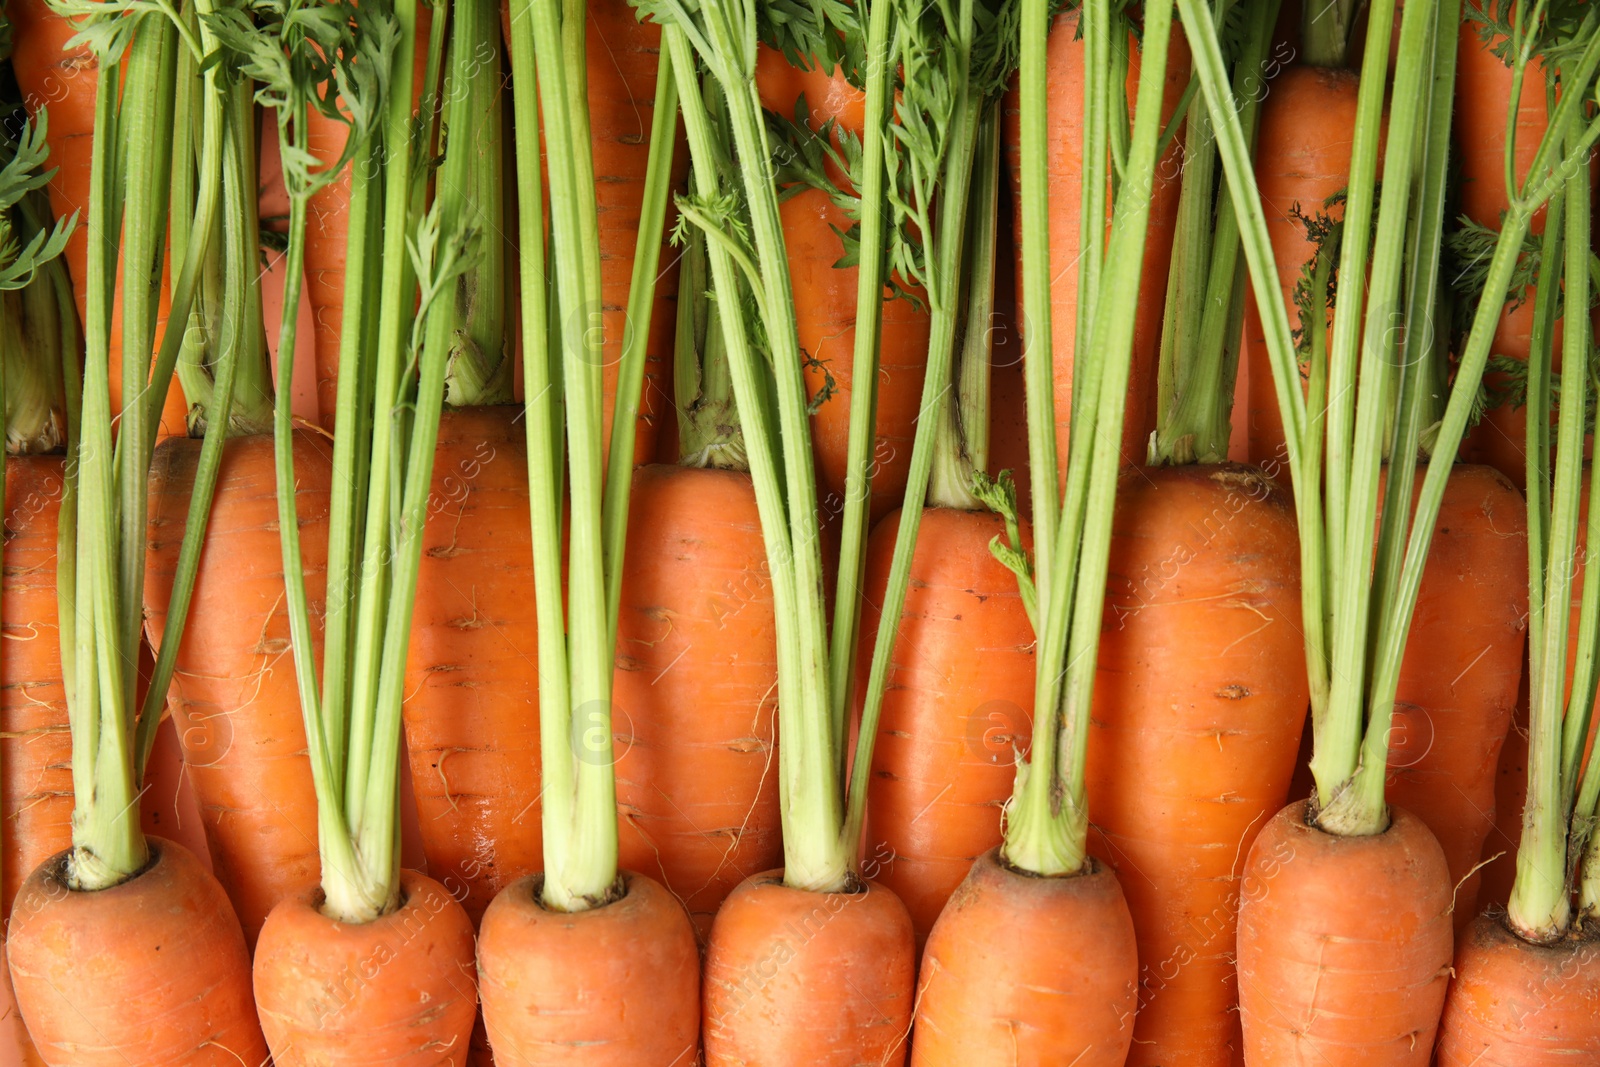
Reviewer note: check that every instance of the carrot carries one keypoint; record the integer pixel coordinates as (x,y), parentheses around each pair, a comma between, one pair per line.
(1308,118)
(781,941)
(1199,704)
(327,251)
(540,1011)
(1301,922)
(1503,990)
(694,685)
(958,707)
(56,76)
(1034,958)
(87,936)
(616,969)
(326,987)
(472,727)
(1483,103)
(1525,976)
(813,219)
(622,56)
(1345,929)
(1458,682)
(761,1004)
(174,988)
(826,321)
(35,746)
(1200,671)
(1066,134)
(328,284)
(233,700)
(1078,1010)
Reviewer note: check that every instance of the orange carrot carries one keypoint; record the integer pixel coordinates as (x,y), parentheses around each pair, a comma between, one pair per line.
(1483,103)
(1307,945)
(35,746)
(55,76)
(957,709)
(622,62)
(825,314)
(172,988)
(1504,988)
(1199,704)
(695,688)
(392,987)
(1302,158)
(471,710)
(760,1006)
(1066,88)
(971,986)
(1459,679)
(233,696)
(538,1012)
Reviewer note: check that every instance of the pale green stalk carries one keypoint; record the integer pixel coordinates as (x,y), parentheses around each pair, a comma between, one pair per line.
(864,375)
(1047,828)
(815,854)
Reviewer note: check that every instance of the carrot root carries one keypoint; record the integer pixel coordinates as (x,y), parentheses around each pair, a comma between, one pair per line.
(613,986)
(400,991)
(153,971)
(1021,969)
(808,979)
(1344,944)
(1513,1004)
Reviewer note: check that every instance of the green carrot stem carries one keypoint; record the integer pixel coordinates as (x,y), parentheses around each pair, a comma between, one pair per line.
(637,330)
(1048,827)
(873,246)
(469,183)
(1326,36)
(961,446)
(580,827)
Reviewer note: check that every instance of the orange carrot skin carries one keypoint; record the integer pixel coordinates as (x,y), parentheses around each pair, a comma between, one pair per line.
(326,249)
(400,991)
(613,986)
(1065,135)
(1027,970)
(233,697)
(825,303)
(35,744)
(1199,703)
(61,78)
(1463,663)
(472,686)
(695,688)
(154,970)
(1513,1004)
(1344,944)
(622,63)
(808,979)
(1307,123)
(957,708)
